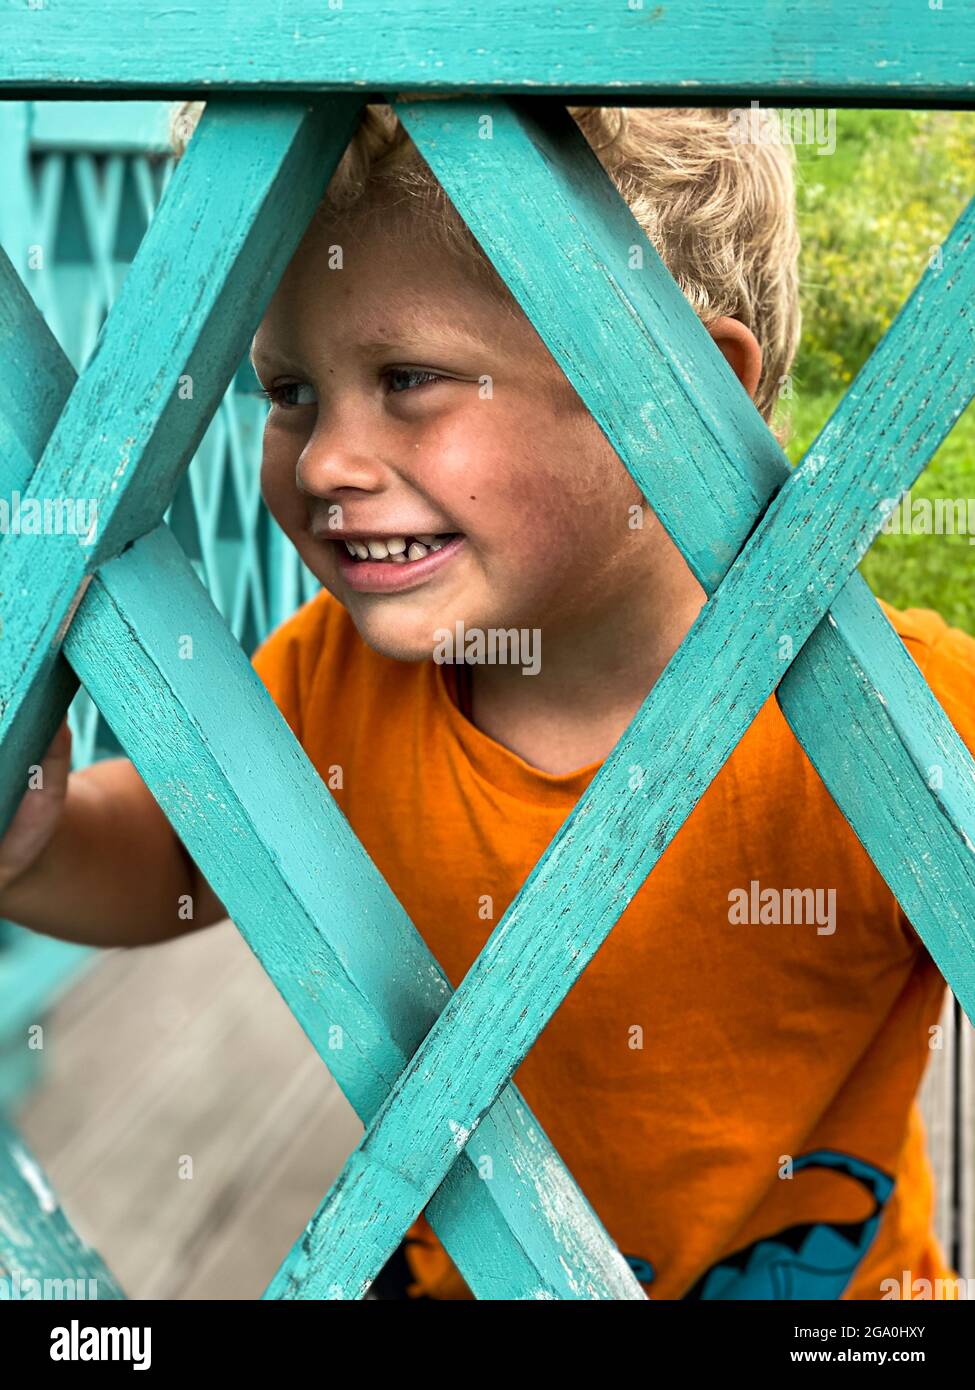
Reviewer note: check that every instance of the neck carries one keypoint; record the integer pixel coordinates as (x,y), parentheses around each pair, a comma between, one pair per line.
(591,680)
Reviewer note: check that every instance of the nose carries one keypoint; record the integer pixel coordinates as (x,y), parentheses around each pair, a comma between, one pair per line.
(337,458)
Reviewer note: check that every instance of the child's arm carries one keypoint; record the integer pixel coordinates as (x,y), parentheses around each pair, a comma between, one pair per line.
(91,858)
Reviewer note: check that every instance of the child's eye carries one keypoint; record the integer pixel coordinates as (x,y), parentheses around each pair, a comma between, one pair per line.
(417,375)
(277,395)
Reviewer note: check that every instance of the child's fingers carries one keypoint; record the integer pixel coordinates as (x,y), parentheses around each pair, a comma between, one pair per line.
(56,763)
(39,811)
(54,766)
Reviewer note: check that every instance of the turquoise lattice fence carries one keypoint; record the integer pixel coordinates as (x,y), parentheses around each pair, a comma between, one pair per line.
(80,187)
(775,549)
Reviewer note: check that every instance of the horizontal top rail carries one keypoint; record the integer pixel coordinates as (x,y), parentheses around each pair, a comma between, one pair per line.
(66,126)
(591,52)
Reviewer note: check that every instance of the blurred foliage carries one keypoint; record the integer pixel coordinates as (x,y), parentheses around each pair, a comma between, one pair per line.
(871,215)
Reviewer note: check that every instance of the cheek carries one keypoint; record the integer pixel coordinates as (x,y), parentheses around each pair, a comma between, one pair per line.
(278,487)
(559,493)
(491,473)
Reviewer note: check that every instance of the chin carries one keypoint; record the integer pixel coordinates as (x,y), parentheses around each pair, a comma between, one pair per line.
(393,637)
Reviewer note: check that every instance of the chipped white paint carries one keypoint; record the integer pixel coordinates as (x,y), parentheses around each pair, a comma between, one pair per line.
(35,1179)
(460,1134)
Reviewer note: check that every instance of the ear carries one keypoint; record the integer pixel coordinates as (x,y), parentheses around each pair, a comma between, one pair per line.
(741,350)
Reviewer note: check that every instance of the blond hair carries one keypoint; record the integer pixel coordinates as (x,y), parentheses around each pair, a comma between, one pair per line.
(720,211)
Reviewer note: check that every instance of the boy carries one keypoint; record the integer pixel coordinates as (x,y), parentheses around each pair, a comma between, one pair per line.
(733,1090)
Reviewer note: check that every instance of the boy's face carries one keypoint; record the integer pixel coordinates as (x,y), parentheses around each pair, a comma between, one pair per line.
(412,402)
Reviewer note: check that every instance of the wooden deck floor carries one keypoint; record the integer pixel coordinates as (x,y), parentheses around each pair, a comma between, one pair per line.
(188,1050)
(182,1050)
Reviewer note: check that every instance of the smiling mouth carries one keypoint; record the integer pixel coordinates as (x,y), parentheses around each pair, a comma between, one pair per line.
(398,550)
(416,564)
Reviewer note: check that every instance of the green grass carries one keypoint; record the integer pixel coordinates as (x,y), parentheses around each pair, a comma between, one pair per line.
(915,571)
(869,216)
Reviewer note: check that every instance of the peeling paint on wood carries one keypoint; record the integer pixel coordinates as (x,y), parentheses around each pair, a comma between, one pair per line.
(879,51)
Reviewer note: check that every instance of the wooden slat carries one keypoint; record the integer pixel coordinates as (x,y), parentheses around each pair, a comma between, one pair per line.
(187,1099)
(39,368)
(965,1211)
(30,360)
(265,1124)
(730,465)
(937,1101)
(238,1259)
(16,212)
(232,216)
(881,51)
(873,730)
(93,125)
(803,551)
(91,1095)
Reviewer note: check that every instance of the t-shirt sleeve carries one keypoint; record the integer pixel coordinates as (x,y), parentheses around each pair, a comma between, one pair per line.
(286,659)
(946,656)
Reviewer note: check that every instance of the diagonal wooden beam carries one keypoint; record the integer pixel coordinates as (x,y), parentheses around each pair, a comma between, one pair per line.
(31,360)
(231,218)
(802,553)
(708,465)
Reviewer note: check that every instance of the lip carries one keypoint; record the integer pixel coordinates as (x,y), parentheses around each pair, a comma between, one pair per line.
(381,577)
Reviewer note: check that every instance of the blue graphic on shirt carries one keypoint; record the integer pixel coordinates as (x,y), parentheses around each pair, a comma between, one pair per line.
(643,1270)
(814,1260)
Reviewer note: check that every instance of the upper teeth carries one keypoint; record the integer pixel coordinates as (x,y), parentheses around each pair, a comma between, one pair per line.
(396,548)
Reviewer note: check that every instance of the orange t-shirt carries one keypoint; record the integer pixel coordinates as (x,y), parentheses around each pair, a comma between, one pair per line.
(736,1101)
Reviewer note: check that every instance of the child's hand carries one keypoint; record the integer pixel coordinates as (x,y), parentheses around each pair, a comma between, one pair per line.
(39,812)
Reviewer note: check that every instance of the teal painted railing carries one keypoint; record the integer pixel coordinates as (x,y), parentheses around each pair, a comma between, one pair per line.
(81,182)
(80,186)
(776,549)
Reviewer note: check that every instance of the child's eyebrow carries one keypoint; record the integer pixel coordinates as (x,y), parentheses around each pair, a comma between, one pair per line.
(439,337)
(427,339)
